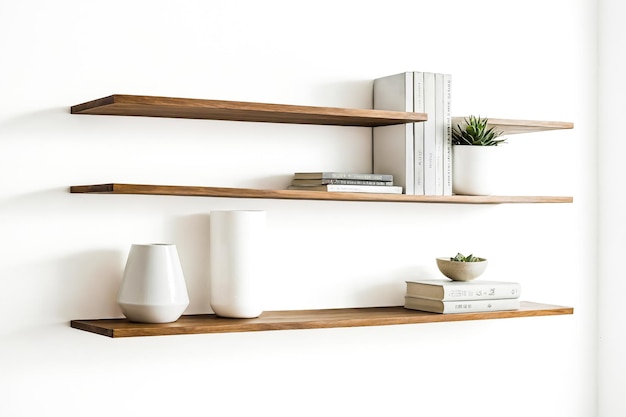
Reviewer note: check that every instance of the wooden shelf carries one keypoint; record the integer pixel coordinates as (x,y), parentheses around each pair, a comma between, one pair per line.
(151,106)
(303,319)
(154,106)
(114,188)
(511,126)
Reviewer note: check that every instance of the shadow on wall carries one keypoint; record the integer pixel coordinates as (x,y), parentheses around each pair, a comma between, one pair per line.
(56,282)
(95,277)
(391,292)
(190,234)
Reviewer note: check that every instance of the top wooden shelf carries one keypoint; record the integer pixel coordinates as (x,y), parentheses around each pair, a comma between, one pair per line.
(151,106)
(511,126)
(187,108)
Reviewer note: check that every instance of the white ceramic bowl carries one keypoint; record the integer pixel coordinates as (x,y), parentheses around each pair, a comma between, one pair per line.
(461,271)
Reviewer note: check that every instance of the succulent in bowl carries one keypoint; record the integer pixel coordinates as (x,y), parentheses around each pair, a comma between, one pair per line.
(462,268)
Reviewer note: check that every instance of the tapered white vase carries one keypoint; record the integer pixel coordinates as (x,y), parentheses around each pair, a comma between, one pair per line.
(237,263)
(153,288)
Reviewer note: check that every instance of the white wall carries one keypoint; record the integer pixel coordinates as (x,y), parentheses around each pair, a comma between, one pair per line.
(612,228)
(63,254)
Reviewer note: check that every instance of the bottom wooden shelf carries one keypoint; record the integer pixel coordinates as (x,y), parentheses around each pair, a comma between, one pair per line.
(303,319)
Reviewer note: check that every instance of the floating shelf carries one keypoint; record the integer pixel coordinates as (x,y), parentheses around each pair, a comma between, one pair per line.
(304,319)
(173,190)
(511,126)
(187,108)
(130,105)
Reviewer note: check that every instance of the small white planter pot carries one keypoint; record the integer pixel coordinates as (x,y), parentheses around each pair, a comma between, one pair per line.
(476,170)
(237,263)
(153,288)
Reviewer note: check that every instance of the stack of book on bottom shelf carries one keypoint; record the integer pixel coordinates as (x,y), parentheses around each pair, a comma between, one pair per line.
(446,297)
(346,182)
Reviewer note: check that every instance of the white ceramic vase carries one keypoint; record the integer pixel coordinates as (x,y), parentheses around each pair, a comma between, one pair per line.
(153,288)
(237,262)
(476,170)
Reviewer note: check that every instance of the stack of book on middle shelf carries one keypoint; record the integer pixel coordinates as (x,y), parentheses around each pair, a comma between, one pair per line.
(419,155)
(446,296)
(347,182)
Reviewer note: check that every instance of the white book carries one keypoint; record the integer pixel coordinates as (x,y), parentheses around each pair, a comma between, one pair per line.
(348,188)
(429,135)
(447,290)
(439,133)
(392,146)
(418,132)
(461,306)
(447,122)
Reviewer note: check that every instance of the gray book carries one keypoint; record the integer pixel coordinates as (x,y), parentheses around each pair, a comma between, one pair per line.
(343,176)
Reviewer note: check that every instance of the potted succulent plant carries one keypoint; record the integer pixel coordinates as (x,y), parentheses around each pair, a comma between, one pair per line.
(475,157)
(462,268)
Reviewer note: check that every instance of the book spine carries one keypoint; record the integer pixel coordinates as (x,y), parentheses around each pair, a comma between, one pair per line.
(365,188)
(429,134)
(392,146)
(471,306)
(337,181)
(380,189)
(356,176)
(418,133)
(343,176)
(461,306)
(471,292)
(358,182)
(439,133)
(509,290)
(447,137)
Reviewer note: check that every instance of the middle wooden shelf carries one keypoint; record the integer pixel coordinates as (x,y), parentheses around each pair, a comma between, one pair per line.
(199,191)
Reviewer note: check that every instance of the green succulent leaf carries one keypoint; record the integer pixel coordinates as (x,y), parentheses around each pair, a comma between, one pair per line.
(469,258)
(476,133)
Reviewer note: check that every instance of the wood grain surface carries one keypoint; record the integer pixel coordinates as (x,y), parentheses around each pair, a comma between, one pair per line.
(304,319)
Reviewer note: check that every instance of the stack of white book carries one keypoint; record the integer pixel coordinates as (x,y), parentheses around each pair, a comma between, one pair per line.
(347,182)
(419,155)
(446,296)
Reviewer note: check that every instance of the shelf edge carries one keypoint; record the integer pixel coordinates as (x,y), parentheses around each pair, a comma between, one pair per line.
(171,107)
(517,126)
(226,192)
(305,319)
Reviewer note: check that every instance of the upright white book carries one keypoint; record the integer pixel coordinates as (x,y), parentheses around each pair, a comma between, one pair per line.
(439,133)
(430,132)
(448,290)
(418,132)
(392,146)
(461,306)
(447,137)
(423,149)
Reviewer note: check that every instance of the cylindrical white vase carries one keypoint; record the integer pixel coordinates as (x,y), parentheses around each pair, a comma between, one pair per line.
(153,288)
(237,262)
